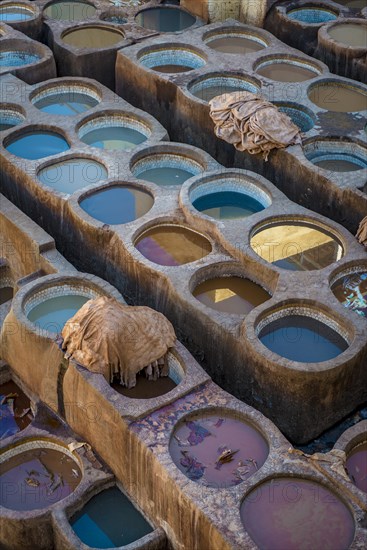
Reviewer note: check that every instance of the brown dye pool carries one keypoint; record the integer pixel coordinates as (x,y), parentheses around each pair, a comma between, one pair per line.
(231,294)
(172,245)
(286,72)
(292,513)
(218,450)
(70,11)
(6,294)
(354,4)
(93,37)
(15,414)
(337,165)
(357,466)
(206,94)
(351,291)
(235,44)
(350,34)
(297,246)
(37,478)
(146,389)
(172,68)
(341,99)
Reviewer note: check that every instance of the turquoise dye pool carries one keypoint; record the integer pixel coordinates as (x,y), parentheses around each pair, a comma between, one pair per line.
(312,15)
(109,520)
(164,19)
(71,175)
(53,313)
(164,176)
(12,13)
(117,204)
(36,145)
(17,58)
(66,103)
(301,338)
(118,138)
(227,205)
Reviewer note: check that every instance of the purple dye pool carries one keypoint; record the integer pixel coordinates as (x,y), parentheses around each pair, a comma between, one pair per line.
(357,466)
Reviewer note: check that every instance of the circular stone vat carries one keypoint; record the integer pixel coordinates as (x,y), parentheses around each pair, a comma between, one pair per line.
(93,37)
(312,16)
(231,294)
(336,156)
(217,449)
(234,40)
(285,69)
(212,85)
(166,169)
(338,96)
(351,290)
(69,11)
(149,389)
(350,34)
(71,175)
(302,334)
(9,118)
(37,144)
(172,59)
(17,58)
(114,133)
(117,204)
(13,404)
(300,116)
(356,465)
(43,471)
(353,4)
(11,13)
(165,19)
(292,513)
(67,100)
(172,245)
(297,245)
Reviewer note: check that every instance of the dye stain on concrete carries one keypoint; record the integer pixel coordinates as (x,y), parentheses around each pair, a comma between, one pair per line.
(231,294)
(293,513)
(53,313)
(356,466)
(351,291)
(227,205)
(36,145)
(15,410)
(70,175)
(109,520)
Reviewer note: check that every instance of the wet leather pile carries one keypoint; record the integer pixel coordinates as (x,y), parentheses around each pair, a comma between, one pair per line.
(362,232)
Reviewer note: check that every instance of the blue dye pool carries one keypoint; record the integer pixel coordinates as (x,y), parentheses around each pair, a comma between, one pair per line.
(37,145)
(311,15)
(15,13)
(303,339)
(118,138)
(165,175)
(71,175)
(8,120)
(52,314)
(227,205)
(117,204)
(17,59)
(67,104)
(109,520)
(304,121)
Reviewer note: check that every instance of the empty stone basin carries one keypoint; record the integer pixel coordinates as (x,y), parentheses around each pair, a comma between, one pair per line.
(165,169)
(312,16)
(67,100)
(16,12)
(37,144)
(201,440)
(171,59)
(297,245)
(43,472)
(351,290)
(117,204)
(292,513)
(149,389)
(211,85)
(17,58)
(114,133)
(70,175)
(69,11)
(338,96)
(13,410)
(302,334)
(93,37)
(109,520)
(283,69)
(9,118)
(350,34)
(234,40)
(231,294)
(165,19)
(301,116)
(172,245)
(356,466)
(336,156)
